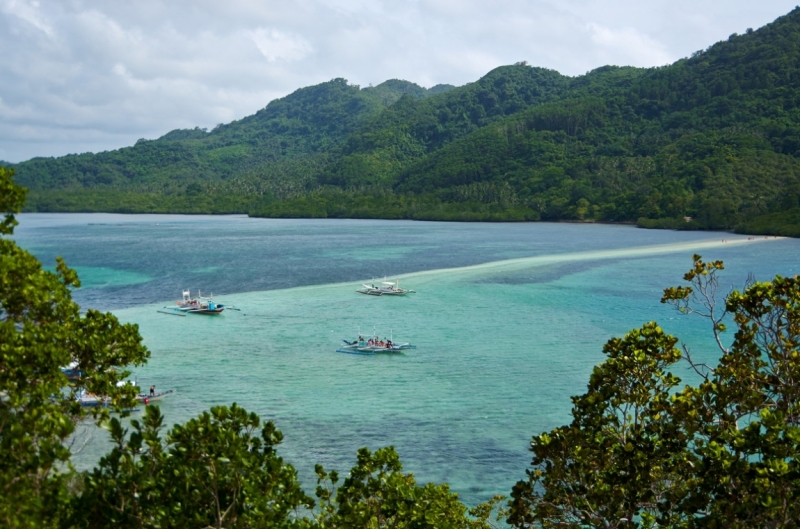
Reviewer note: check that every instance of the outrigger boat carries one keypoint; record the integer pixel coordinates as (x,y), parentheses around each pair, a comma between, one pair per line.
(386,288)
(198,305)
(147,398)
(373,345)
(73,372)
(152,396)
(90,400)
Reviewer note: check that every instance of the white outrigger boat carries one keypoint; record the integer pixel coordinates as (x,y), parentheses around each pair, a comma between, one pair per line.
(386,288)
(200,304)
(373,345)
(90,400)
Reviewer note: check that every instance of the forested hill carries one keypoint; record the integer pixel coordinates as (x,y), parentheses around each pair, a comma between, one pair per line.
(714,137)
(275,152)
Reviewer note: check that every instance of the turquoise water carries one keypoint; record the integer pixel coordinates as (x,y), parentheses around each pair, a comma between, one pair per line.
(508,319)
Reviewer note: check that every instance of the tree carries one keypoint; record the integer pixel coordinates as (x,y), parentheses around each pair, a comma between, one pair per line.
(617,460)
(376,494)
(216,470)
(41,331)
(640,453)
(745,415)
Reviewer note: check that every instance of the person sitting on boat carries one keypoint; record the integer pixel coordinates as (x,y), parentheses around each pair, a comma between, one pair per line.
(388,344)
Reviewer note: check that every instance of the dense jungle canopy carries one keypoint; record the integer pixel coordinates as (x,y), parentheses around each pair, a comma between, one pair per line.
(714,138)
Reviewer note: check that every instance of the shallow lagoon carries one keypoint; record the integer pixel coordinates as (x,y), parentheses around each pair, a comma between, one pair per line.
(509,320)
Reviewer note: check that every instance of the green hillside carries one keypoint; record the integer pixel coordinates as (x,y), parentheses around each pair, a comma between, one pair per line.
(714,138)
(411,129)
(270,155)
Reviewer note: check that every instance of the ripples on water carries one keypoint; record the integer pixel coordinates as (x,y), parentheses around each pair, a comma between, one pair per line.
(509,320)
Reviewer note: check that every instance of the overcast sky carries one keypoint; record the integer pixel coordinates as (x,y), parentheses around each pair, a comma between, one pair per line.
(95,75)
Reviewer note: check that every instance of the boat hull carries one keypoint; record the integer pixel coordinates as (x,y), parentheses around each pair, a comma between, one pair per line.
(370,292)
(375,349)
(93,401)
(355,352)
(369,351)
(183,311)
(205,311)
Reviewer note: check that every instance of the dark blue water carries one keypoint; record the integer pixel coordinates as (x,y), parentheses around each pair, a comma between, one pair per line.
(137,259)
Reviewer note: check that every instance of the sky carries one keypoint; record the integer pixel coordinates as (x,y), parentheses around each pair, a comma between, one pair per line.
(94,75)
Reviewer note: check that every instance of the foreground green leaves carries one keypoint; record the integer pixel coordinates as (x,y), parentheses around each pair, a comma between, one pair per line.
(642,453)
(41,331)
(617,461)
(217,470)
(377,494)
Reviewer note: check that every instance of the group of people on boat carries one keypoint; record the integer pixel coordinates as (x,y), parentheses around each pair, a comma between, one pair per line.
(372,342)
(372,345)
(378,343)
(198,305)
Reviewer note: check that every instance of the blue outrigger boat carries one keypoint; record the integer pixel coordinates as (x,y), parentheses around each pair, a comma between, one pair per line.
(372,346)
(198,305)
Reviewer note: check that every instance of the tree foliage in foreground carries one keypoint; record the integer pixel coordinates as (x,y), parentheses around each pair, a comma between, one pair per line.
(216,470)
(377,494)
(642,452)
(41,331)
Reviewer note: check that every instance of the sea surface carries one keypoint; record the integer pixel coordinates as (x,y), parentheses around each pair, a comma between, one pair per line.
(508,320)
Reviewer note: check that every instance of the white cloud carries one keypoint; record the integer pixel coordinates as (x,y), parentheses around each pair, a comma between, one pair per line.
(29,12)
(276,45)
(80,75)
(120,70)
(629,46)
